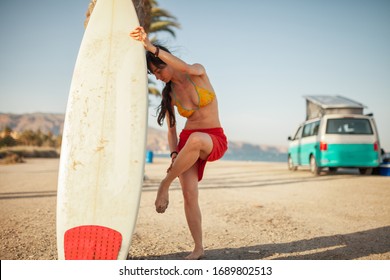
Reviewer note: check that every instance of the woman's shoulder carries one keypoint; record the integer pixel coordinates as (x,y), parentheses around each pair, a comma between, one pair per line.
(196,69)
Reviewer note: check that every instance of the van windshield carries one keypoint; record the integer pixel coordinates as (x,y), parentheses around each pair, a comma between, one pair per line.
(348,126)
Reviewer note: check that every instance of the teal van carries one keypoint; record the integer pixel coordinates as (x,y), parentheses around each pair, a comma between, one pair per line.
(334,141)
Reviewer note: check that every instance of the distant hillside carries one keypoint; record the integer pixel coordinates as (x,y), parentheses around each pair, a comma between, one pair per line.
(55,123)
(44,122)
(156,140)
(251,152)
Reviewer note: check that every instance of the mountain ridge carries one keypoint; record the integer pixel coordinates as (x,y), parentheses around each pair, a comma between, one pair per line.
(156,138)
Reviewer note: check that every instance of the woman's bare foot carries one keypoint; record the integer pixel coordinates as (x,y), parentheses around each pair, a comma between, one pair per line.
(197,254)
(162,199)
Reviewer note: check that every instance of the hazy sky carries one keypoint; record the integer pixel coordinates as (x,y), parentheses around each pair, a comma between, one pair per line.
(262,57)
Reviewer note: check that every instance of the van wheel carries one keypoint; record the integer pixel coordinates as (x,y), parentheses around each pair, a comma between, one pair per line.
(313,166)
(365,171)
(332,170)
(291,165)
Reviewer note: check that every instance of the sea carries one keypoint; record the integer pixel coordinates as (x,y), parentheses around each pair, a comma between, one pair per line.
(277,157)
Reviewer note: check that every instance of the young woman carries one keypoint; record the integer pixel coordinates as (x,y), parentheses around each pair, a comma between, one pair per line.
(202,139)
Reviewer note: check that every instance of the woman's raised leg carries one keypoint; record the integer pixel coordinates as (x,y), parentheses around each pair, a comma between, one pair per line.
(198,145)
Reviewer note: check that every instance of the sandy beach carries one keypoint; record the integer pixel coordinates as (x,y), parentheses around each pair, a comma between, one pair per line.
(251,210)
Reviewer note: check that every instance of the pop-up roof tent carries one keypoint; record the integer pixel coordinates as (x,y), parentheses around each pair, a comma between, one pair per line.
(317,106)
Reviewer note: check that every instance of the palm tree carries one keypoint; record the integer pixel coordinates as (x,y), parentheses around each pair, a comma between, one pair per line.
(162,20)
(153,19)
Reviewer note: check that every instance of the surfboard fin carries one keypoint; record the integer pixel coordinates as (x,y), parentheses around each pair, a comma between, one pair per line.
(92,242)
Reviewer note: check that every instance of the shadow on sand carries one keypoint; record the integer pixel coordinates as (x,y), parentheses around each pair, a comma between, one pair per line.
(336,247)
(19,195)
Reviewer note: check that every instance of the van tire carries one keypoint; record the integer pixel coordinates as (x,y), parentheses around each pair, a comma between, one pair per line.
(314,167)
(365,171)
(291,165)
(333,170)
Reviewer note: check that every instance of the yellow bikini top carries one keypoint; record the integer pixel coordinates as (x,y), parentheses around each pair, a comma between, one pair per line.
(205,97)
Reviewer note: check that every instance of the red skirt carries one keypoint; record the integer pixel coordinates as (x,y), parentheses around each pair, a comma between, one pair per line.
(219,145)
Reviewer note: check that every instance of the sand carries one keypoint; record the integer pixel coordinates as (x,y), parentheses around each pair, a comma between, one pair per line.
(250,210)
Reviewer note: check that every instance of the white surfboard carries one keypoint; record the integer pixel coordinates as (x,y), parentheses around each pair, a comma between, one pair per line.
(103,147)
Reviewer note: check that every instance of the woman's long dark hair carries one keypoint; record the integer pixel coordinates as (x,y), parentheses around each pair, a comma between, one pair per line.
(166,101)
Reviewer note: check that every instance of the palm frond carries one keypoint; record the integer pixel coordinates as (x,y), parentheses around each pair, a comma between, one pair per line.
(163,26)
(158,12)
(154,91)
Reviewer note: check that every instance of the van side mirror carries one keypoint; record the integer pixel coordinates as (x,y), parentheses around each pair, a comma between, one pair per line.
(289,138)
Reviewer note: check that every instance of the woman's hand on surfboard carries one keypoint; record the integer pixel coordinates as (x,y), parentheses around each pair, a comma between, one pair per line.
(140,35)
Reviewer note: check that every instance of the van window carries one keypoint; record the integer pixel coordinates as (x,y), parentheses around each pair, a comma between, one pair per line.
(298,134)
(348,126)
(311,129)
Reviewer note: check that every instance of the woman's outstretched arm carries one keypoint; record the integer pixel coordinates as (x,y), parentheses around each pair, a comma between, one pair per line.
(139,34)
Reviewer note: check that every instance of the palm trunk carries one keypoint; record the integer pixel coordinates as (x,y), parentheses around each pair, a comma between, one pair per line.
(142,7)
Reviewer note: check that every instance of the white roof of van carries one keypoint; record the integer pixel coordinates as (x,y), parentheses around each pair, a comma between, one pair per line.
(329,101)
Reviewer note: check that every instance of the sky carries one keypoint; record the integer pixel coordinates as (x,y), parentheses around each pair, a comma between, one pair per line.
(262,57)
